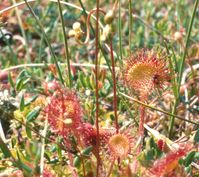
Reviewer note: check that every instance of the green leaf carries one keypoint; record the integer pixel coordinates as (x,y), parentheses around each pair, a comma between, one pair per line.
(188,169)
(19,83)
(47,155)
(5,149)
(28,130)
(21,105)
(83,82)
(196,156)
(22,79)
(11,81)
(31,100)
(196,137)
(189,158)
(150,154)
(33,114)
(23,73)
(77,162)
(25,167)
(59,152)
(25,81)
(87,151)
(89,83)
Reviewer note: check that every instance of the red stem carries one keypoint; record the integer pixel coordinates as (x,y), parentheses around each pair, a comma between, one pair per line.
(96,84)
(114,88)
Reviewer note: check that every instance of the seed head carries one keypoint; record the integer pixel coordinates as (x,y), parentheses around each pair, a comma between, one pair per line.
(64,112)
(145,71)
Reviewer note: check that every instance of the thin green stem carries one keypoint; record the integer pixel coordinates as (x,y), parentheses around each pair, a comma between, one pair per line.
(96,85)
(187,43)
(105,57)
(114,88)
(83,9)
(157,109)
(46,39)
(172,119)
(152,28)
(130,25)
(66,44)
(119,29)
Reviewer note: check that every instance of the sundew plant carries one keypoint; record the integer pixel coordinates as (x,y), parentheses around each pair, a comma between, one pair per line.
(104,88)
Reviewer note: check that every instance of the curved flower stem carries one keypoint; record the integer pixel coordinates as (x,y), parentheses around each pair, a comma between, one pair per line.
(96,85)
(114,88)
(46,38)
(66,45)
(172,119)
(88,24)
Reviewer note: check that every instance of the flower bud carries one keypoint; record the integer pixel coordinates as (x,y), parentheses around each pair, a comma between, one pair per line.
(178,36)
(77,26)
(76,31)
(108,19)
